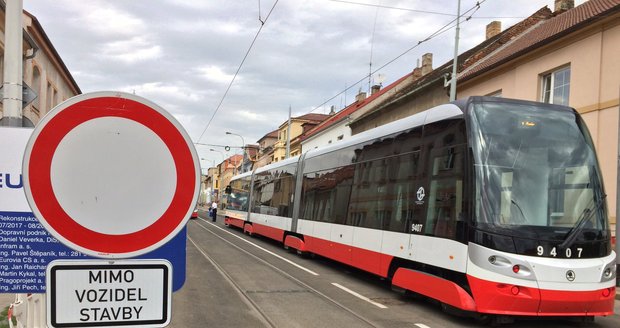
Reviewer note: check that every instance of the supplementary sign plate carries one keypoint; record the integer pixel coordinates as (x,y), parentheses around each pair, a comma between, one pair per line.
(96,293)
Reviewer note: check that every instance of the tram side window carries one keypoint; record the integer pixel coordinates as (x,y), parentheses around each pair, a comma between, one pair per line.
(445,197)
(369,205)
(282,199)
(263,193)
(326,193)
(384,189)
(273,192)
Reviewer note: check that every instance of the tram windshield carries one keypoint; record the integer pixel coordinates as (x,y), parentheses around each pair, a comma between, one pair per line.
(239,193)
(536,173)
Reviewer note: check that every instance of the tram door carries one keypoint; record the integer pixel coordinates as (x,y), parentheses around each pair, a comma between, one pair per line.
(407,178)
(445,166)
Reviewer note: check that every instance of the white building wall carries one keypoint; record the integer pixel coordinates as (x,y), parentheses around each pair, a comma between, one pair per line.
(330,135)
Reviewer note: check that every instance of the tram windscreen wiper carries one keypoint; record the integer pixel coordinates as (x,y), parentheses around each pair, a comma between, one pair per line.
(586,215)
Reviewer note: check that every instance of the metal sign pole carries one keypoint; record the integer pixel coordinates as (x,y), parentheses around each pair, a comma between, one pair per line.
(618,200)
(13,66)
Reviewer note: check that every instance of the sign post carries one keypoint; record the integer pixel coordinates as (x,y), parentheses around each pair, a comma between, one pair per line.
(114,176)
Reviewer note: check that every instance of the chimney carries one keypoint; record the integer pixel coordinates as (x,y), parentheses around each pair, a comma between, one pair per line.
(427,63)
(494,28)
(332,110)
(563,5)
(375,88)
(360,96)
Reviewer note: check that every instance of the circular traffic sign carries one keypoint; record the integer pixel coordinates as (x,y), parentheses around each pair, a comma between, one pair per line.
(111,174)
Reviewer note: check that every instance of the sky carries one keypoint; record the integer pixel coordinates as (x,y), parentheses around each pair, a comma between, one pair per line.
(302,54)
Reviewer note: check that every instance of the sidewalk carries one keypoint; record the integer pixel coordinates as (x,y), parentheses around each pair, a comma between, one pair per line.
(6,300)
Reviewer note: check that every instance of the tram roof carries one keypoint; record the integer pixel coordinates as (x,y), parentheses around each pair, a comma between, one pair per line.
(438,113)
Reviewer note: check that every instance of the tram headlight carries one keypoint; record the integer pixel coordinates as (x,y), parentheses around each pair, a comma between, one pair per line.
(609,272)
(492,259)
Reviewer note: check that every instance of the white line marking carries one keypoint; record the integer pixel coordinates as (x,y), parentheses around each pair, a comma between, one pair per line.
(421,325)
(262,249)
(379,305)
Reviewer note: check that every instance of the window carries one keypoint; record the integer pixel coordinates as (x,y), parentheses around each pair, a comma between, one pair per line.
(238,198)
(556,87)
(273,191)
(36,86)
(51,96)
(326,194)
(446,202)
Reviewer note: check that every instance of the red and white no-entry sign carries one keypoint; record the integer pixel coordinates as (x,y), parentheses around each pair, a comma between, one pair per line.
(111,174)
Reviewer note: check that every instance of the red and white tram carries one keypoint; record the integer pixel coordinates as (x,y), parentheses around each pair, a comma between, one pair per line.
(489,205)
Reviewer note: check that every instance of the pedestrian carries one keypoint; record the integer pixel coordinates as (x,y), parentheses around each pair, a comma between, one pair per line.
(214,211)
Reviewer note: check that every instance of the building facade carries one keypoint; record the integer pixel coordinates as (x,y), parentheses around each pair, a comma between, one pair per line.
(266,149)
(571,59)
(299,125)
(43,70)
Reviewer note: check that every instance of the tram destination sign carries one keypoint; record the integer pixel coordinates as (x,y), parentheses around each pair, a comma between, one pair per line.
(96,293)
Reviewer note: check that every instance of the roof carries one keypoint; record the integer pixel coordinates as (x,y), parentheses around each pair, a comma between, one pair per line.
(351,109)
(54,54)
(310,118)
(233,160)
(465,60)
(546,31)
(272,134)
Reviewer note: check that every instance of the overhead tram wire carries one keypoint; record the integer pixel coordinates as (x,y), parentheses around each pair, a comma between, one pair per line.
(372,43)
(435,34)
(416,10)
(238,69)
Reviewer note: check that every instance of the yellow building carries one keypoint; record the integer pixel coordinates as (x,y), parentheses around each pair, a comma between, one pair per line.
(299,125)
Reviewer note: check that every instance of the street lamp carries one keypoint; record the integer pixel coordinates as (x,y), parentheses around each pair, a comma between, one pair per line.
(240,136)
(210,160)
(242,148)
(223,157)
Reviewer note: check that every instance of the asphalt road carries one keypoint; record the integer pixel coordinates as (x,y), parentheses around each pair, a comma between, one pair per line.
(234,280)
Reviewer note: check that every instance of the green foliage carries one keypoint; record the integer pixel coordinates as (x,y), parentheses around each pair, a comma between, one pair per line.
(4,322)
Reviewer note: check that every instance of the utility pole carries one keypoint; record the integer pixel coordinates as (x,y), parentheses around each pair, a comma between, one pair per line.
(13,65)
(456,53)
(617,206)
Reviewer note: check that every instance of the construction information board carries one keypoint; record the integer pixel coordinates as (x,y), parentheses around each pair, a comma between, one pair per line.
(95,293)
(25,250)
(26,247)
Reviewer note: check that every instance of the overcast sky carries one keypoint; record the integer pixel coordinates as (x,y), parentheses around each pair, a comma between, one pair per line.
(183,54)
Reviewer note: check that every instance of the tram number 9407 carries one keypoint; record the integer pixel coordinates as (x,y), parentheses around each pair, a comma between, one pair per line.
(568,253)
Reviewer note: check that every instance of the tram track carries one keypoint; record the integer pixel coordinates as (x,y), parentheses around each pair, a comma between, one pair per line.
(251,304)
(245,294)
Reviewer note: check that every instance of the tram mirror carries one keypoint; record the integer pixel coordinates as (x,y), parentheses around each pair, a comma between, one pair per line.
(228,189)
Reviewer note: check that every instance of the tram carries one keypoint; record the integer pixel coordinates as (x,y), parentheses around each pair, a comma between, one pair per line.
(489,205)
